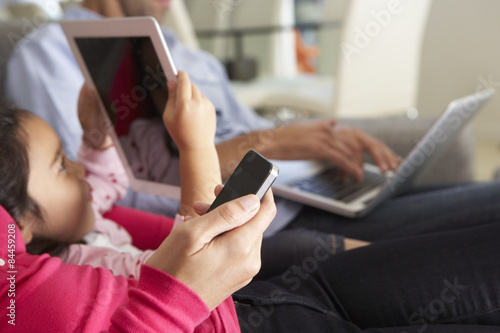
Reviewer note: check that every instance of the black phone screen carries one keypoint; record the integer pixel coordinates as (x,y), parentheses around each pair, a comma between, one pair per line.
(247,178)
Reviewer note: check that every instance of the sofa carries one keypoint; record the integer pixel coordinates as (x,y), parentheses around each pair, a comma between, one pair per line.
(400,133)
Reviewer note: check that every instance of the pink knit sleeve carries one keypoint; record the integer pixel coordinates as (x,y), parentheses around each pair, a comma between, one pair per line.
(120,263)
(42,294)
(180,310)
(105,175)
(54,297)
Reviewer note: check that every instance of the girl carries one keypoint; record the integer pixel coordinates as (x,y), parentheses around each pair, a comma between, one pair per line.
(59,204)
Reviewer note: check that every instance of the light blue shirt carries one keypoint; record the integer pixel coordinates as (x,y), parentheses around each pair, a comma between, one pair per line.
(44,78)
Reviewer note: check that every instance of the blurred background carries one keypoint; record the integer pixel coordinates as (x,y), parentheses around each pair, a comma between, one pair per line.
(342,58)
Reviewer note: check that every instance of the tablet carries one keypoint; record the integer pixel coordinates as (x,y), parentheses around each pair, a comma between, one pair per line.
(126,60)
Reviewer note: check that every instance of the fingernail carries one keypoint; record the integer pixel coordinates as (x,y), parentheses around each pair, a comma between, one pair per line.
(250,202)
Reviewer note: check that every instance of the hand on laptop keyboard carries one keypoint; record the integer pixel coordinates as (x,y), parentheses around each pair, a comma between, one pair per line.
(359,142)
(329,183)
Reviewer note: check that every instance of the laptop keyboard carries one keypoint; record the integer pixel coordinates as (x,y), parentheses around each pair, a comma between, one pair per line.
(329,184)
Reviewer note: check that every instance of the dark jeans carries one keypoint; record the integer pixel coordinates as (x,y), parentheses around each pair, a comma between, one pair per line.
(436,263)
(415,284)
(290,247)
(422,212)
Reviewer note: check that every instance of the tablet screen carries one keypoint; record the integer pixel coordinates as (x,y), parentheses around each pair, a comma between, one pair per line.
(133,88)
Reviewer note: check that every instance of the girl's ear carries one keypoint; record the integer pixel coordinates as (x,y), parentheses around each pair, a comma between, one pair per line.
(25,225)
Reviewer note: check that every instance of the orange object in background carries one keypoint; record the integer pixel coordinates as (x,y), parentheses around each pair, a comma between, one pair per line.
(305,54)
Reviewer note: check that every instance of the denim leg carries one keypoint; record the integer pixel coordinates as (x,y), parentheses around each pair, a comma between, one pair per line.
(296,246)
(450,208)
(272,306)
(419,284)
(449,277)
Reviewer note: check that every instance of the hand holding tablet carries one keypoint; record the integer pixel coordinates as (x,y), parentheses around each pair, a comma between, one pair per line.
(127,62)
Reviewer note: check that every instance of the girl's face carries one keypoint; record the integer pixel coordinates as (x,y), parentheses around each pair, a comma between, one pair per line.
(57,185)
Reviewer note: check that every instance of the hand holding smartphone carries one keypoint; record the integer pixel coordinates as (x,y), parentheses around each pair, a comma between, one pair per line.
(254,175)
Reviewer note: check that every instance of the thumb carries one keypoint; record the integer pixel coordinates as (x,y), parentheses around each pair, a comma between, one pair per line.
(228,216)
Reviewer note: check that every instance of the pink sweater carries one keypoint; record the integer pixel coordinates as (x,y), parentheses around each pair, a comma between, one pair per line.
(109,244)
(42,294)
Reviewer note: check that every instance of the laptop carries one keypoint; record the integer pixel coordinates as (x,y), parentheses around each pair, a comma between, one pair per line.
(127,61)
(107,49)
(320,185)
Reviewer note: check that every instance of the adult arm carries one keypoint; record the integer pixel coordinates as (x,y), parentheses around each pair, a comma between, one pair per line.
(322,139)
(54,297)
(46,295)
(203,268)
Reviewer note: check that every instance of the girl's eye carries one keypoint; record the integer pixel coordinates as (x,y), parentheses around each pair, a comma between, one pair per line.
(62,166)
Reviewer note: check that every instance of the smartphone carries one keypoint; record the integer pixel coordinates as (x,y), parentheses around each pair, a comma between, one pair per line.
(254,175)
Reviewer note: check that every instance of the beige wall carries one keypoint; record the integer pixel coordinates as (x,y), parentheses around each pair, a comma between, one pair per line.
(461,50)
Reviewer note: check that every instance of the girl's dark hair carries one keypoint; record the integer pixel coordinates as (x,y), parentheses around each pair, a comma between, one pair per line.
(14,175)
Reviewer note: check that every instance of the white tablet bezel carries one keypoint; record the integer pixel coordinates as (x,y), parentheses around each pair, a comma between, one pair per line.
(125,27)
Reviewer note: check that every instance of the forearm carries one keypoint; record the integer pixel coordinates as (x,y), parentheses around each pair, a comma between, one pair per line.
(311,140)
(232,151)
(200,173)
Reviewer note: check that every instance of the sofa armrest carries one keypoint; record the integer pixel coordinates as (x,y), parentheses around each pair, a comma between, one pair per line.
(455,164)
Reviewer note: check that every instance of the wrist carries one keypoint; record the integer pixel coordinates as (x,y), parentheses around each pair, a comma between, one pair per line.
(267,143)
(196,156)
(231,152)
(198,149)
